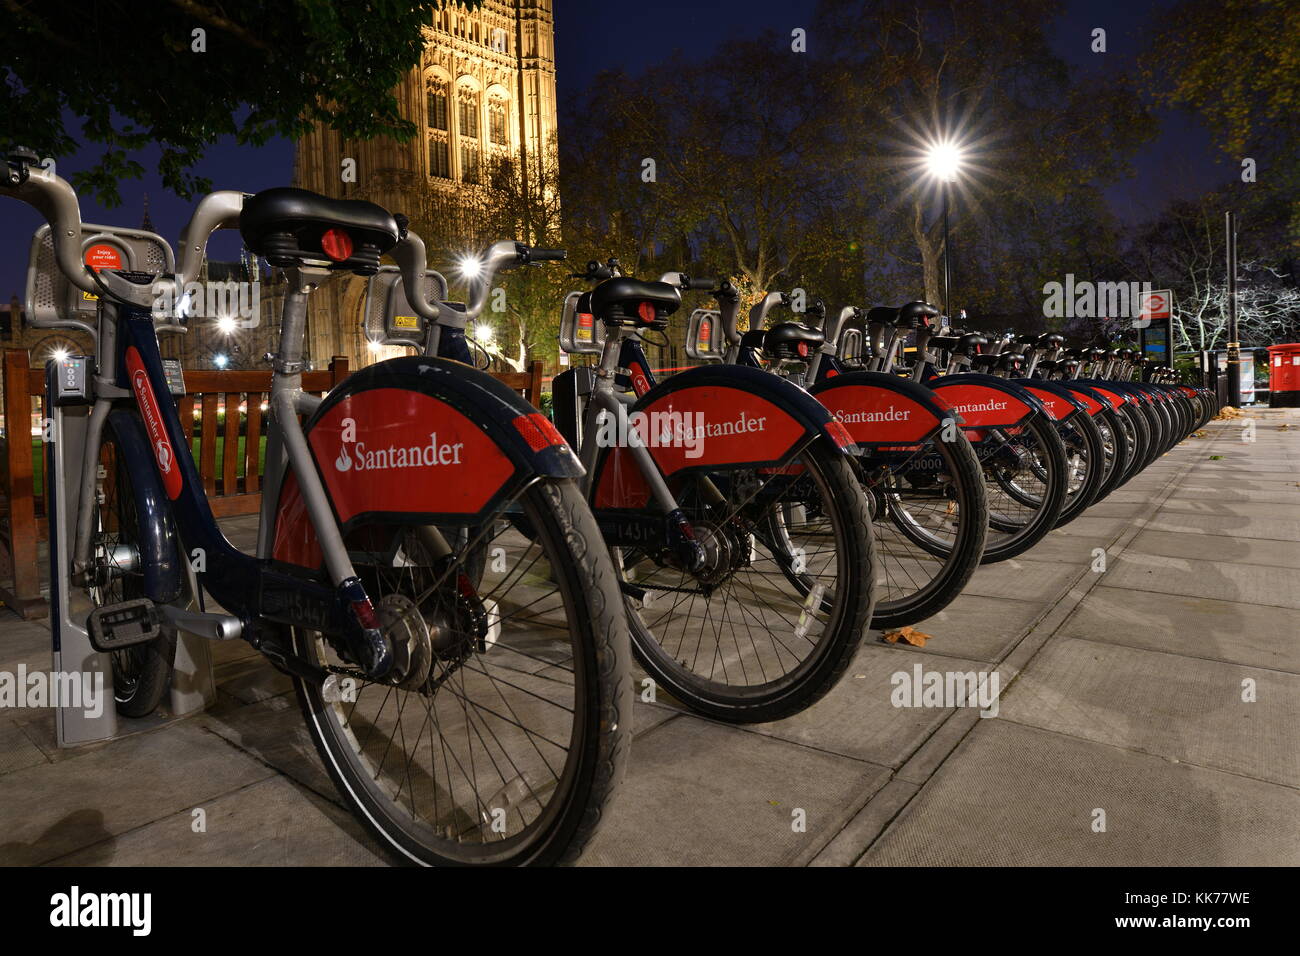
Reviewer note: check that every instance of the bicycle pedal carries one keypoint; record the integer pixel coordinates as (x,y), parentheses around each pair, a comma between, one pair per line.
(115,626)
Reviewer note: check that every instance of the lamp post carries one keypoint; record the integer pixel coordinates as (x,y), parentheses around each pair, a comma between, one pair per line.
(1234,347)
(943,159)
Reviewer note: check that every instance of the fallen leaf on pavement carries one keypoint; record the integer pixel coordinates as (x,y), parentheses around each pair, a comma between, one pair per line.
(908,635)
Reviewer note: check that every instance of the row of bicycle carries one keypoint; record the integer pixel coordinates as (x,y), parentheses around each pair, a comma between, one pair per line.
(455,583)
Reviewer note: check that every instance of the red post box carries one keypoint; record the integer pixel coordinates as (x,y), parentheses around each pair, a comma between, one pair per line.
(1284,375)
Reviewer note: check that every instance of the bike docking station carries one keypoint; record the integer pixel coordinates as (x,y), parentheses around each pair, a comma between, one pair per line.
(70,386)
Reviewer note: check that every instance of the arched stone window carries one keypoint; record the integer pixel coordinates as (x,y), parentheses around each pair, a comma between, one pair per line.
(469,162)
(437,103)
(497,122)
(467,106)
(439,157)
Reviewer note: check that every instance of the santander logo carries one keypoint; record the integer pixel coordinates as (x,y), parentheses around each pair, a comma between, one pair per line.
(891,415)
(356,455)
(992,405)
(153,423)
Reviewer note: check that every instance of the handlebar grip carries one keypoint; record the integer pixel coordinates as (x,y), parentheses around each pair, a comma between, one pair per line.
(704,285)
(547,255)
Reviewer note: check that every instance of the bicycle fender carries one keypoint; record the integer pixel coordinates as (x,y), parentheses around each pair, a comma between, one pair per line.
(1116,397)
(159,543)
(1092,399)
(716,416)
(876,408)
(986,401)
(418,436)
(1059,401)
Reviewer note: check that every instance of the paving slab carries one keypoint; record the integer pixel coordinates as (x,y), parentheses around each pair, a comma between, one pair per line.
(272,823)
(17,749)
(1022,579)
(1188,709)
(1242,583)
(1250,634)
(50,811)
(847,846)
(1115,508)
(858,719)
(1072,549)
(978,628)
(704,794)
(1087,526)
(1218,548)
(1014,795)
(272,732)
(1265,510)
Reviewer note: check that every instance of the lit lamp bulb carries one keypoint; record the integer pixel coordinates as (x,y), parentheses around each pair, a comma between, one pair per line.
(470,267)
(944,160)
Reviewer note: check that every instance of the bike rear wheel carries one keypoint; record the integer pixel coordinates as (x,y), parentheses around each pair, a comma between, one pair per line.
(931,518)
(770,624)
(1025,473)
(507,730)
(1085,464)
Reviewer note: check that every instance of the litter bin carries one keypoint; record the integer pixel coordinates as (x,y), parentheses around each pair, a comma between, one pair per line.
(1284,375)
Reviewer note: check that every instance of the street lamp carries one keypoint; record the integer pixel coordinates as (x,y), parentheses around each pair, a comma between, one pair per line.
(943,159)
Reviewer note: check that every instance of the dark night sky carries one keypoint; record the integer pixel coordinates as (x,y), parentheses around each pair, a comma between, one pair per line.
(593,35)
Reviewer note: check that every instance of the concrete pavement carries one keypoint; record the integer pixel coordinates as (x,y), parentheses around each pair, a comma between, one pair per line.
(1148,715)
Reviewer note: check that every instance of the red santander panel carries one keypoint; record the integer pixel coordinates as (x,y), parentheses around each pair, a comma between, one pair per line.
(873,414)
(982,406)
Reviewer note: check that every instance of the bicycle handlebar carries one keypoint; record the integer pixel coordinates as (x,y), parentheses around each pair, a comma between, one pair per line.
(506,254)
(54,198)
(218,210)
(687,284)
(412,260)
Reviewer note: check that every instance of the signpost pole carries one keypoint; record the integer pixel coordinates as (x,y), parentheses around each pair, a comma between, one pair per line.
(1234,347)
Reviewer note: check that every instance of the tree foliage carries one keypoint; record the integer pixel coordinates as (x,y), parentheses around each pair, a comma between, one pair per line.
(134,74)
(1236,63)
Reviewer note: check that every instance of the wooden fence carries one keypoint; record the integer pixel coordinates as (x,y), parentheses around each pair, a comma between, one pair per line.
(231,474)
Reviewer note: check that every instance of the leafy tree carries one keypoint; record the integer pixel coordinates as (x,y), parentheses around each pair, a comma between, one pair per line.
(185,73)
(521,317)
(1036,139)
(1237,64)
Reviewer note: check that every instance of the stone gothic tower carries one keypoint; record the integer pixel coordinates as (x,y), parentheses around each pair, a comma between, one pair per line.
(485,88)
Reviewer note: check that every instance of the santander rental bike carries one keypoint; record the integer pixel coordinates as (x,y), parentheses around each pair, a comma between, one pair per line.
(741,540)
(427,569)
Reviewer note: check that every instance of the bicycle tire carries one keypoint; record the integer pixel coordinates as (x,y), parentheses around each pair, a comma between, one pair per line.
(580,567)
(815,674)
